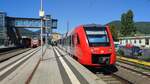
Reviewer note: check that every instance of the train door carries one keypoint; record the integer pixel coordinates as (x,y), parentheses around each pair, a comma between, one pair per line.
(77,40)
(72,44)
(77,46)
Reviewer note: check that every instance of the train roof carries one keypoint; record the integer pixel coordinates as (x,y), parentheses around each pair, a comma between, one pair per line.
(93,25)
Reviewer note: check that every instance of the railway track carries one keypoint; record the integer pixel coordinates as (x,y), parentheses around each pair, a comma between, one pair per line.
(124,76)
(2,50)
(8,66)
(127,74)
(108,74)
(132,73)
(135,68)
(13,50)
(112,79)
(7,55)
(9,51)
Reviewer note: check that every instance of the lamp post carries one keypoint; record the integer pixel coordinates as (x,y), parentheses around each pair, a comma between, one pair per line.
(46,33)
(41,14)
(67,26)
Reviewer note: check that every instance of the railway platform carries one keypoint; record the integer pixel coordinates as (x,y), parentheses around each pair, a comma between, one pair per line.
(54,68)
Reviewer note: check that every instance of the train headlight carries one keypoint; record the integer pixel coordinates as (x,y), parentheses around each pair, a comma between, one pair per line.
(92,50)
(102,51)
(110,50)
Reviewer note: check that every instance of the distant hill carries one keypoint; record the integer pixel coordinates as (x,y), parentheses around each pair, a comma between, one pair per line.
(142,27)
(38,32)
(116,23)
(26,32)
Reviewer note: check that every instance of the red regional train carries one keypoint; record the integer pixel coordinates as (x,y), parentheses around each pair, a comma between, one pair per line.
(35,43)
(91,45)
(30,42)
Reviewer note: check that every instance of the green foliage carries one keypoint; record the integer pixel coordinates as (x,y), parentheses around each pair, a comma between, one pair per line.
(120,52)
(127,24)
(143,27)
(123,24)
(114,32)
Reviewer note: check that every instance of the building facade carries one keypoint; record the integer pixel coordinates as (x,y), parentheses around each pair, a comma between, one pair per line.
(55,36)
(2,28)
(141,41)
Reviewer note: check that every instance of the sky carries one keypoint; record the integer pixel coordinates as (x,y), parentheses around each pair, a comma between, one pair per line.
(78,12)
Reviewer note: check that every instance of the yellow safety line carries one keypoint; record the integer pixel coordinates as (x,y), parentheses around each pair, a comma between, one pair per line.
(134,61)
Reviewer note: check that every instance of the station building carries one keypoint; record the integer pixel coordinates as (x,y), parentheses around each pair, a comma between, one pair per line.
(2,27)
(55,36)
(141,41)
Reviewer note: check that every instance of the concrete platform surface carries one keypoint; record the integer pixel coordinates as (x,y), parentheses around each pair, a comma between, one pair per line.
(47,71)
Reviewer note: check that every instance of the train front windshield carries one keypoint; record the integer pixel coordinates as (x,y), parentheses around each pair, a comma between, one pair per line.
(97,36)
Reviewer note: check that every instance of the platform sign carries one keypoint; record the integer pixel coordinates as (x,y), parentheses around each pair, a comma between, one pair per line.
(27,23)
(95,32)
(43,34)
(54,23)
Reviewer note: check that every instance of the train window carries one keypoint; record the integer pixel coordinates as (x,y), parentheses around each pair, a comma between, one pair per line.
(147,41)
(69,40)
(97,36)
(72,40)
(66,41)
(134,41)
(120,42)
(78,40)
(140,41)
(126,41)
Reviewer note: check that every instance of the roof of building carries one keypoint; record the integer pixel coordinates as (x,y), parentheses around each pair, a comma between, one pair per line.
(134,37)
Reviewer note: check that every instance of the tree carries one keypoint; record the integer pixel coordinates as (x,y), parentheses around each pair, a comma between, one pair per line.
(114,32)
(123,24)
(130,23)
(127,24)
